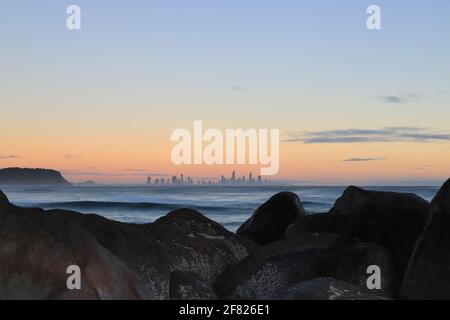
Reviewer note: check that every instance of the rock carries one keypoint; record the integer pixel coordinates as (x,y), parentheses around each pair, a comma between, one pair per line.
(355,260)
(192,242)
(4,202)
(186,285)
(428,274)
(327,289)
(25,176)
(117,260)
(392,220)
(269,222)
(271,269)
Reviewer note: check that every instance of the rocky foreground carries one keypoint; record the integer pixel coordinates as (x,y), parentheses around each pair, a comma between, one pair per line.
(279,253)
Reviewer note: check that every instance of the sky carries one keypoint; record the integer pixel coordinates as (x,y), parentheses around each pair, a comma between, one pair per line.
(352,105)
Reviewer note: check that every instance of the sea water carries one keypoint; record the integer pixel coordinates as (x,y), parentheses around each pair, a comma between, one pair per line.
(228,205)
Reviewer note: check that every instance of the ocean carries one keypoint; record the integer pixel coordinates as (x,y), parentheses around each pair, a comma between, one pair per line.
(228,205)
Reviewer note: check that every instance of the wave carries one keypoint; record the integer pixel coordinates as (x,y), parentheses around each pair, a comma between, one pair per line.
(127,206)
(315,203)
(156,206)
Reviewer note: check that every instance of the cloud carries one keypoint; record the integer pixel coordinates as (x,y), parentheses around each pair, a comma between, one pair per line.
(90,173)
(387,134)
(406,98)
(363,159)
(7,157)
(237,88)
(145,172)
(153,174)
(73,156)
(424,167)
(109,174)
(393,99)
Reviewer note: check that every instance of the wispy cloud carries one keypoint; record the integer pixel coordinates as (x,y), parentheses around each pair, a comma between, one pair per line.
(111,174)
(363,159)
(139,172)
(424,167)
(387,134)
(9,156)
(237,88)
(73,156)
(393,99)
(90,173)
(399,99)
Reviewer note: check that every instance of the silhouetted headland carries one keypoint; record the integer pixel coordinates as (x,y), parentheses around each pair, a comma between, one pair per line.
(25,176)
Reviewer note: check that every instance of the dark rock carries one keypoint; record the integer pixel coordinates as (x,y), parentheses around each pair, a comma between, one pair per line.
(25,176)
(327,289)
(117,260)
(269,222)
(271,269)
(4,202)
(355,260)
(392,220)
(428,274)
(186,285)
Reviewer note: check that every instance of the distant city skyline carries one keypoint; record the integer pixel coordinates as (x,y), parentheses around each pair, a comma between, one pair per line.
(222,180)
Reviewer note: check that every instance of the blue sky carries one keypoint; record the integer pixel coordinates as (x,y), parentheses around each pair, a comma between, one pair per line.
(301,66)
(268,44)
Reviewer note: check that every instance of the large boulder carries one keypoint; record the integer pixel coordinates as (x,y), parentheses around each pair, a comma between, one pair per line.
(117,260)
(355,260)
(392,220)
(270,221)
(191,242)
(326,288)
(271,269)
(428,274)
(187,285)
